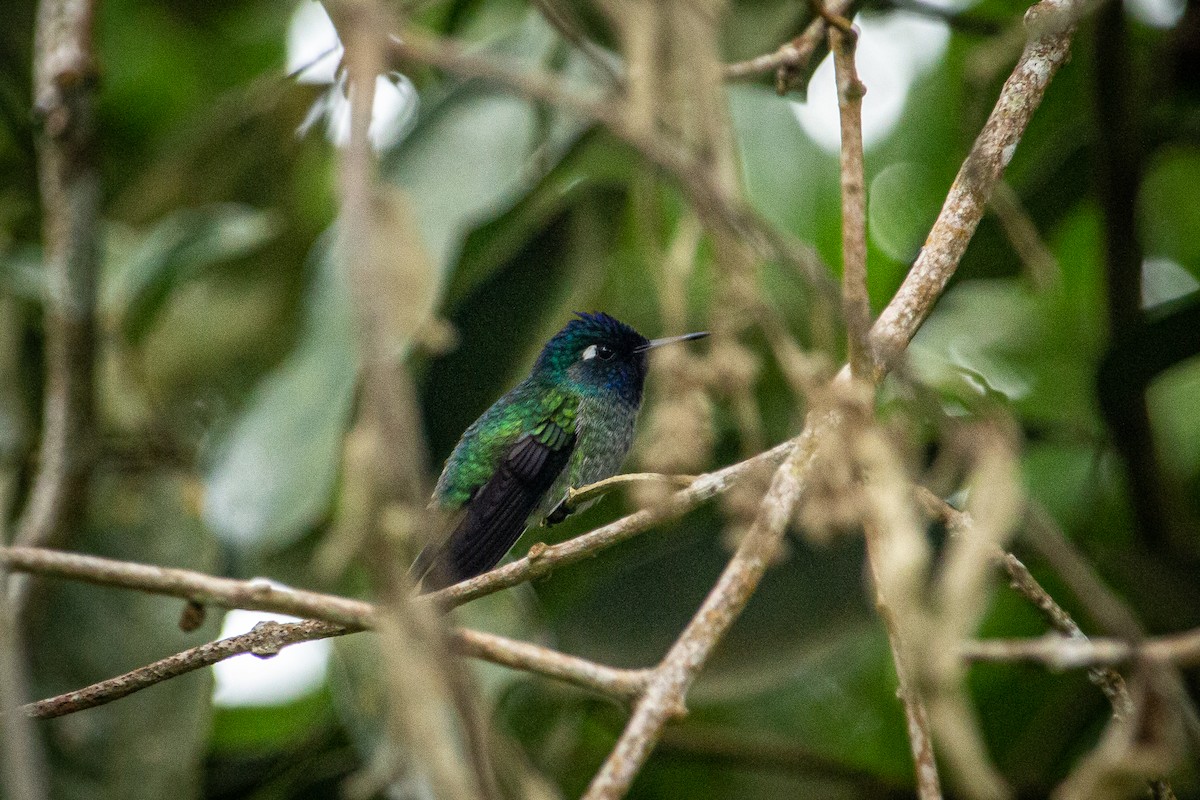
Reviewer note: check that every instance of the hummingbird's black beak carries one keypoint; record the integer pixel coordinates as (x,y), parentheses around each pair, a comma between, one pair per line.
(687,337)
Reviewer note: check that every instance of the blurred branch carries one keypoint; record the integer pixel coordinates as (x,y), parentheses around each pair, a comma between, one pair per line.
(1040,264)
(666,691)
(712,202)
(898,558)
(64,79)
(64,85)
(1061,653)
(856,304)
(562,19)
(792,62)
(22,775)
(385,265)
(1050,26)
(757,750)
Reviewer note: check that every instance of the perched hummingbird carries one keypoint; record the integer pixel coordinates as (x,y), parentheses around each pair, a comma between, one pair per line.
(568,424)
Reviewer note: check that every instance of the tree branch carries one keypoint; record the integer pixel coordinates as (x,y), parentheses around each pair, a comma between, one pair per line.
(1061,653)
(542,558)
(331,616)
(1050,25)
(64,83)
(856,304)
(266,640)
(792,63)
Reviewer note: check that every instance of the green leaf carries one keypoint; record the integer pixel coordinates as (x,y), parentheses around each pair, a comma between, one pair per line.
(274,470)
(1169,209)
(175,250)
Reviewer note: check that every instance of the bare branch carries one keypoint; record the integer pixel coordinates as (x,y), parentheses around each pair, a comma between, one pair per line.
(792,63)
(622,684)
(1060,653)
(64,84)
(856,305)
(1050,25)
(257,594)
(266,640)
(331,616)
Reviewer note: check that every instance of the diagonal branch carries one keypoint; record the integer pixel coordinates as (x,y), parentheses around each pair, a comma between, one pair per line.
(1050,25)
(542,559)
(668,686)
(267,639)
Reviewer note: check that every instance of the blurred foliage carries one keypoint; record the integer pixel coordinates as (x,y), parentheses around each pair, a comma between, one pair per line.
(227,383)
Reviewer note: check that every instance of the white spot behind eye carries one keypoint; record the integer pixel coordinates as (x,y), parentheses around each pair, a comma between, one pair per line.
(589,353)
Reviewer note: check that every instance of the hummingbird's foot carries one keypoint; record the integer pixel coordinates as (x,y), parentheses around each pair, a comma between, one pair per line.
(561,511)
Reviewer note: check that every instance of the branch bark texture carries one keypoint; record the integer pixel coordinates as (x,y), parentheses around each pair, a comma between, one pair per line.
(64,84)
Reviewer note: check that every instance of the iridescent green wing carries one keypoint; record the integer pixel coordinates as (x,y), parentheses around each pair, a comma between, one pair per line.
(498,508)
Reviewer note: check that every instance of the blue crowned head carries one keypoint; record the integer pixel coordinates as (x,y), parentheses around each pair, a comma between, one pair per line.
(596,355)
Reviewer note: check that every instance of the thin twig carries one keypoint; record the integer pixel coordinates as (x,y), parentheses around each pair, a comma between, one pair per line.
(621,684)
(792,63)
(1061,653)
(593,490)
(856,304)
(266,640)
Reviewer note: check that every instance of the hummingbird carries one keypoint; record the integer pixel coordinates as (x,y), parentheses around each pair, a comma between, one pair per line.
(568,424)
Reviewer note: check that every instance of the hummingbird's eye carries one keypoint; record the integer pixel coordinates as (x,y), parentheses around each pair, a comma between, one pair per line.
(604,352)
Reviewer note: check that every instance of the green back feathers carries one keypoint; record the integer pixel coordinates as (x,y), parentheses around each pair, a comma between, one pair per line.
(548,414)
